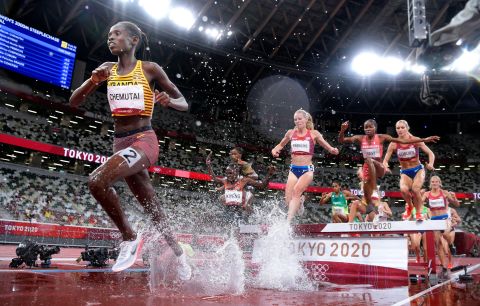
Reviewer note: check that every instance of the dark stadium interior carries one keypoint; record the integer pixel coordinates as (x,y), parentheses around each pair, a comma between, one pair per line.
(310,41)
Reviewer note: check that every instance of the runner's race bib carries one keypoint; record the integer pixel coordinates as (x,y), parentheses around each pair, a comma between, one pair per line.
(371,152)
(126,99)
(406,153)
(300,146)
(437,203)
(233,197)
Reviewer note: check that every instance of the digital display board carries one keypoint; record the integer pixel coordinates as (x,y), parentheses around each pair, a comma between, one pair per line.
(35,54)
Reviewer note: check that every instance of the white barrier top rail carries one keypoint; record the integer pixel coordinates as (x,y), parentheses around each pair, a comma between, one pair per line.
(398,227)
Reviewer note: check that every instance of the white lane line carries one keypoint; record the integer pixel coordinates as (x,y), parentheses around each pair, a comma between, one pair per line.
(53,259)
(453,277)
(92,270)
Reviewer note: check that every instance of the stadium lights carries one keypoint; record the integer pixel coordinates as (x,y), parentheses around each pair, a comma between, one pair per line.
(182,17)
(392,65)
(466,62)
(368,63)
(365,63)
(415,68)
(155,8)
(213,33)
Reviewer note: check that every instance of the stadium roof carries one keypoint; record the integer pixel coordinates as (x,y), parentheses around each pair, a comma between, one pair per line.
(310,41)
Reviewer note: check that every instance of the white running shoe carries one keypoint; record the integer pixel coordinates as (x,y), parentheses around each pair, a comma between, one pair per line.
(184,269)
(301,210)
(129,251)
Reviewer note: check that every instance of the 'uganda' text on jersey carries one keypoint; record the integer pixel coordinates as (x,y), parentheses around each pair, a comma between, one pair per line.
(129,94)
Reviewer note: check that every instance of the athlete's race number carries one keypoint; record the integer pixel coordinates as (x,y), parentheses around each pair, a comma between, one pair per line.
(130,155)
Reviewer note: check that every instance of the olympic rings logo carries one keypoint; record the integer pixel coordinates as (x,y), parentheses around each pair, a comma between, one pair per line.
(318,272)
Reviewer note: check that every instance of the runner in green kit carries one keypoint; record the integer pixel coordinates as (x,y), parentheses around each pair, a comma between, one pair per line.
(339,199)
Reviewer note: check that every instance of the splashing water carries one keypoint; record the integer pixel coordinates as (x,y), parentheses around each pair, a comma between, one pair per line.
(218,273)
(280,267)
(221,270)
(225,274)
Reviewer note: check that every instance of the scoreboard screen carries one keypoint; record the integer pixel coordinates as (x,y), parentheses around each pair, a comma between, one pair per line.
(35,54)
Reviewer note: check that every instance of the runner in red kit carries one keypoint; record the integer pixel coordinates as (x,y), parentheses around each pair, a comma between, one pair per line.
(412,172)
(371,145)
(438,201)
(302,138)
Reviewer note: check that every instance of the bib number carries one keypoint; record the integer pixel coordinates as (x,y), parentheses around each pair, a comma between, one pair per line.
(233,197)
(130,155)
